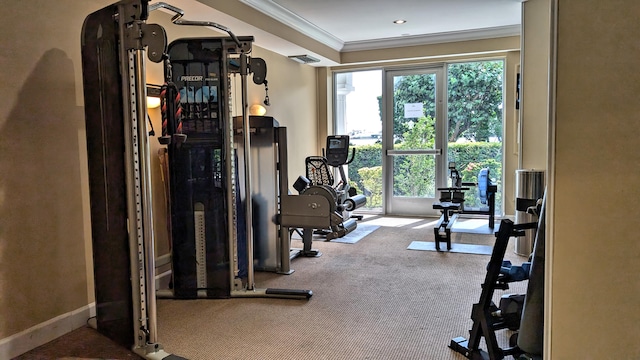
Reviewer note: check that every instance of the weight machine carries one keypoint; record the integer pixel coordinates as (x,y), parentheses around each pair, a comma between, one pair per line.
(203,167)
(522,313)
(488,318)
(269,158)
(206,204)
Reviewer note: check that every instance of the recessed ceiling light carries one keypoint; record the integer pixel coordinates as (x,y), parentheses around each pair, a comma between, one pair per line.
(399,21)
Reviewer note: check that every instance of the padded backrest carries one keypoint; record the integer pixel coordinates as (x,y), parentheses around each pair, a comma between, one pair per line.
(483,185)
(532,321)
(318,171)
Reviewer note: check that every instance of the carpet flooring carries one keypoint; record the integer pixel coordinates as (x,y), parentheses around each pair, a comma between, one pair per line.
(81,344)
(373,299)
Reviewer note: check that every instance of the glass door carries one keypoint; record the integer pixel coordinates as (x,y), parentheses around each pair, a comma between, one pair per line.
(414,140)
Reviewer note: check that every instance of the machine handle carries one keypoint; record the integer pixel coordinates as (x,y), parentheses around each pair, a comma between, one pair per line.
(353,154)
(180,13)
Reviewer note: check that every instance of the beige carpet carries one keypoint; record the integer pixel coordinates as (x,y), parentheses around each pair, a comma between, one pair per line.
(372,300)
(82,344)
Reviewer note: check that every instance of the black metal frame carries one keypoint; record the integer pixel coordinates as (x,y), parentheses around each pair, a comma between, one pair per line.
(452,203)
(485,323)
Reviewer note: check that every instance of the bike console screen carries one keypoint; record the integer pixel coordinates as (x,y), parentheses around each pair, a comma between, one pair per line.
(337,149)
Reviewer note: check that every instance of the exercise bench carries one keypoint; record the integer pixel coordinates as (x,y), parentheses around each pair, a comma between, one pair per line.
(452,200)
(442,230)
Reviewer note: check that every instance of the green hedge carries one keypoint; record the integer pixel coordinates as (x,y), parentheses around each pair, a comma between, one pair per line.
(365,171)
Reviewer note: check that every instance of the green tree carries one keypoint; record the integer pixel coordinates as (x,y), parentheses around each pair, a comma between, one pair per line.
(475,100)
(414,175)
(412,89)
(372,185)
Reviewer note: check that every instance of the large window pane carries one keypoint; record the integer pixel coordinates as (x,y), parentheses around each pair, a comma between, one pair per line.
(358,114)
(475,119)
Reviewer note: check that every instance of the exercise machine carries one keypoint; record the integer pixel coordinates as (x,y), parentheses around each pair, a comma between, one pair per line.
(116,42)
(272,246)
(522,313)
(531,332)
(451,203)
(341,196)
(211,173)
(337,155)
(487,317)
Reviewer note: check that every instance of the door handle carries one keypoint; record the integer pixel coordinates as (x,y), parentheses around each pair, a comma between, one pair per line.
(414,152)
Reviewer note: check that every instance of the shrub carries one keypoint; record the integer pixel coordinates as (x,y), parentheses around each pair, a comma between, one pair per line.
(365,172)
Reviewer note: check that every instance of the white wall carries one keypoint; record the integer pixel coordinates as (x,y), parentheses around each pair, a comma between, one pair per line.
(534,110)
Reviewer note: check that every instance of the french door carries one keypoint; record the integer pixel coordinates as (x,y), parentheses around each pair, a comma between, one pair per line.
(414,140)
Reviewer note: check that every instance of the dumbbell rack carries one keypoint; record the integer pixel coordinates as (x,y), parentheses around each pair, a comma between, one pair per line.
(485,324)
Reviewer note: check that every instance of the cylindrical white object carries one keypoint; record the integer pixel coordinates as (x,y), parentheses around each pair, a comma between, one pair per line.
(529,188)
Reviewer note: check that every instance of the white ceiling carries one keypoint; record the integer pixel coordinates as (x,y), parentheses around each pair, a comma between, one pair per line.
(368,24)
(351,25)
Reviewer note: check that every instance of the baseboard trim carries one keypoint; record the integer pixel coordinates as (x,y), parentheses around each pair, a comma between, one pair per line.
(42,333)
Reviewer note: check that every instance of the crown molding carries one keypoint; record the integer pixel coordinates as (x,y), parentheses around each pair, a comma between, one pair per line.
(439,38)
(296,22)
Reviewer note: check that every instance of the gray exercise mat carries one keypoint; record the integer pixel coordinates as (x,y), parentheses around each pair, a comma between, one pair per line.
(474,226)
(455,247)
(356,235)
(351,238)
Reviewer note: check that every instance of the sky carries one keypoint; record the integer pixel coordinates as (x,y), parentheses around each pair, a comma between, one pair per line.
(362,111)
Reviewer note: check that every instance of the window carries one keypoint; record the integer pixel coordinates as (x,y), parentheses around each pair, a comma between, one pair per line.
(475,121)
(474,126)
(358,114)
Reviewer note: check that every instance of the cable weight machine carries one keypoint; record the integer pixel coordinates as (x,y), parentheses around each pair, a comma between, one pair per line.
(115,41)
(204,176)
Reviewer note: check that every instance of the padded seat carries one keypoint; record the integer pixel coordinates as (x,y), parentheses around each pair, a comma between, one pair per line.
(442,230)
(447,205)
